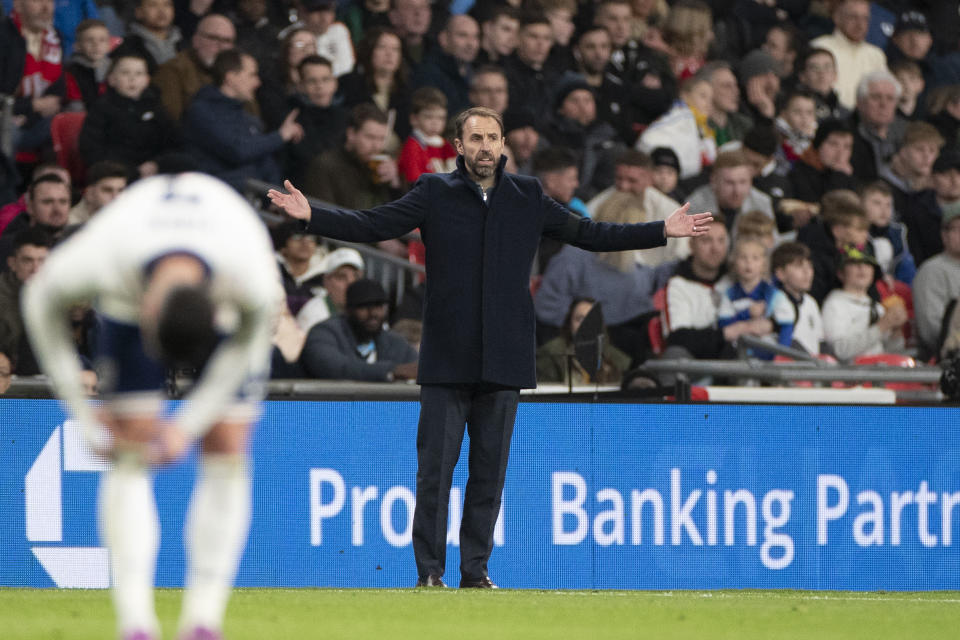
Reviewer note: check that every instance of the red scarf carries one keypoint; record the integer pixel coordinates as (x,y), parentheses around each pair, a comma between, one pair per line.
(39,73)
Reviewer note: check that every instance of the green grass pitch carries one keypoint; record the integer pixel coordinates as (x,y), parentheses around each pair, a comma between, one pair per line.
(398,614)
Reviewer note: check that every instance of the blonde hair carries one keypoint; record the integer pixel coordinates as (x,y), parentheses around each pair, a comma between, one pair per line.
(754,223)
(620,208)
(689,24)
(746,239)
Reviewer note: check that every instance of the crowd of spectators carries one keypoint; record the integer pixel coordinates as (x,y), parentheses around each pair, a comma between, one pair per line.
(824,135)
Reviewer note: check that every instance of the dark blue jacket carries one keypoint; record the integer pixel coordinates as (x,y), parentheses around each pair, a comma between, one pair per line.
(478,320)
(331,352)
(441,70)
(228,142)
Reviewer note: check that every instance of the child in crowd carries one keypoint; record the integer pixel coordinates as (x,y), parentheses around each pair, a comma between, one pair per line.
(86,73)
(842,221)
(793,271)
(912,84)
(752,295)
(889,238)
(797,125)
(128,124)
(426,150)
(758,225)
(666,172)
(854,323)
(684,128)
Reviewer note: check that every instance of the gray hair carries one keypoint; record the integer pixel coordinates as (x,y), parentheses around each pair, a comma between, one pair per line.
(882,75)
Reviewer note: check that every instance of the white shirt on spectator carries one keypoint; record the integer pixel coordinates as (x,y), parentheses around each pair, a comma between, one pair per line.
(847,327)
(336,46)
(854,60)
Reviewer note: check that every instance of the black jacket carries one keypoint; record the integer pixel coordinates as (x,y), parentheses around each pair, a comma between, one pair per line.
(228,142)
(125,130)
(330,352)
(323,128)
(442,71)
(478,315)
(809,183)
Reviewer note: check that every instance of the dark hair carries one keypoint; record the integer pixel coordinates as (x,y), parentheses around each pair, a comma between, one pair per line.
(47,177)
(185,331)
(128,53)
(553,159)
(227,61)
(365,59)
(482,112)
(106,169)
(565,327)
(788,253)
(633,158)
(793,94)
(32,236)
(533,17)
(829,127)
(283,55)
(427,98)
(364,112)
(486,69)
(816,51)
(86,25)
(877,186)
(314,59)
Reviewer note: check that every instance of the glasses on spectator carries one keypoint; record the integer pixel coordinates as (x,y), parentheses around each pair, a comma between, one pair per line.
(490,89)
(224,40)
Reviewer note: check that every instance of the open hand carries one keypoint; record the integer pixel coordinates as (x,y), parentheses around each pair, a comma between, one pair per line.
(682,225)
(293,203)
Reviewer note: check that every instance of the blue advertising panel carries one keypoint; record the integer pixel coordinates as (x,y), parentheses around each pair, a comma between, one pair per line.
(598,496)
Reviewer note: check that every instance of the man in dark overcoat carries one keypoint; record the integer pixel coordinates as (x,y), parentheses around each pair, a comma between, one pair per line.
(481,227)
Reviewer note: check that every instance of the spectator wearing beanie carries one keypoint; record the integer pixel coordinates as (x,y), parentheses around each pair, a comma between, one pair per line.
(761,147)
(521,135)
(575,126)
(760,85)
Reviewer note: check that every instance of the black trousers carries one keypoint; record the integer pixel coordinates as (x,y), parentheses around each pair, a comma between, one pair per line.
(488,412)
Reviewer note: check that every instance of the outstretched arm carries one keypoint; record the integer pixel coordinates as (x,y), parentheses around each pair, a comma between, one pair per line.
(387,221)
(682,224)
(586,234)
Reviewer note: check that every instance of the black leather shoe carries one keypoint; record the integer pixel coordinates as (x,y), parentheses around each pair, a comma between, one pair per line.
(477,583)
(430,581)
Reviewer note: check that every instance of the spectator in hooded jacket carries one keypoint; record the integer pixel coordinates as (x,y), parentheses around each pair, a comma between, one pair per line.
(228,142)
(128,124)
(86,72)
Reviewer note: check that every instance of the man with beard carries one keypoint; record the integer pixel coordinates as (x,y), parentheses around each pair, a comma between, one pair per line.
(355,346)
(481,227)
(48,208)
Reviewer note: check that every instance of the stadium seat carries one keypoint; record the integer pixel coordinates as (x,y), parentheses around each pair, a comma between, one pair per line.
(892,360)
(65,133)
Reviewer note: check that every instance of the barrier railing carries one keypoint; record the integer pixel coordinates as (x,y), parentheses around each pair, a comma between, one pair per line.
(395,274)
